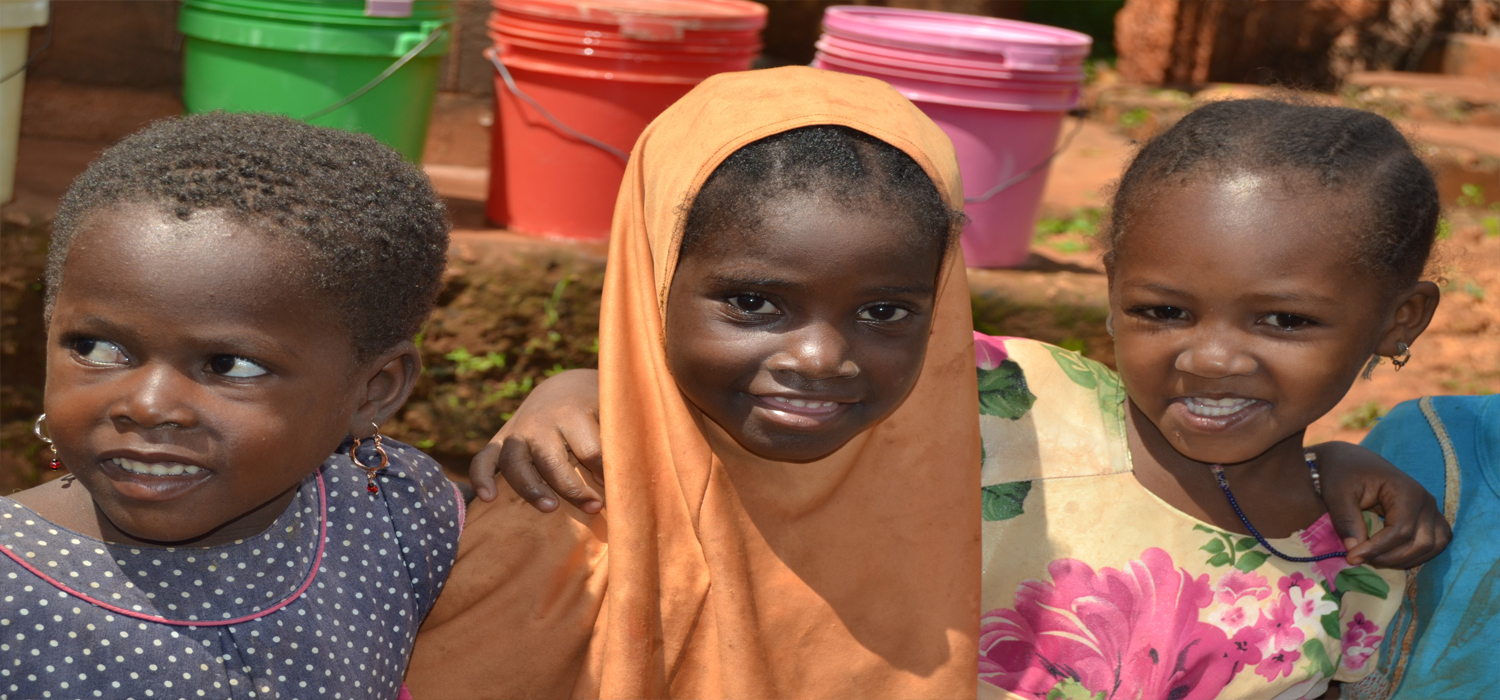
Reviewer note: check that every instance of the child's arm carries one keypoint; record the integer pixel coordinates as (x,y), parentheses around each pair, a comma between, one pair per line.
(1356,479)
(543,450)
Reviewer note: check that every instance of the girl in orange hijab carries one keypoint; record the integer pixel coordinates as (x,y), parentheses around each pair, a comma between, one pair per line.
(788,399)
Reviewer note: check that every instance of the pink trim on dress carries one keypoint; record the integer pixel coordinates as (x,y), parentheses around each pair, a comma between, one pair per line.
(317,562)
(463,509)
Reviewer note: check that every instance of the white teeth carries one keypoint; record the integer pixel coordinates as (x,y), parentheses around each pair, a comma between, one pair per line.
(1215,408)
(163,469)
(802,403)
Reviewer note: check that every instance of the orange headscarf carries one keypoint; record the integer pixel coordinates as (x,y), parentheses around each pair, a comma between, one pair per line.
(721,574)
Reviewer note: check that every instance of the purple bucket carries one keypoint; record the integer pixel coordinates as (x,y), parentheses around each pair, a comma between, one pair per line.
(999,89)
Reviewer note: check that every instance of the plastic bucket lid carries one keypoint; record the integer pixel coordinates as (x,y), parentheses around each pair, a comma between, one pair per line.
(337,27)
(1009,44)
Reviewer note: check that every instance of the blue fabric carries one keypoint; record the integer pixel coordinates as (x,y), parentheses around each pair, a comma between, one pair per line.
(345,631)
(1451,625)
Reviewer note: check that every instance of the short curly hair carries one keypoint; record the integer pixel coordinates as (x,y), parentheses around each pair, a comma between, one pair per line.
(855,169)
(375,232)
(1342,149)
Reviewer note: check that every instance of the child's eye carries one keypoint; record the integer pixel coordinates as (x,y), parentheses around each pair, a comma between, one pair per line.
(1162,313)
(100,352)
(753,304)
(883,313)
(1287,322)
(234,366)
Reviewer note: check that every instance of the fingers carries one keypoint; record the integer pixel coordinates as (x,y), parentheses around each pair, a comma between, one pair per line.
(515,464)
(1345,510)
(482,470)
(555,462)
(1416,533)
(582,436)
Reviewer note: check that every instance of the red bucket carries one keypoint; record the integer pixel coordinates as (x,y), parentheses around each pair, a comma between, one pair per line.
(576,83)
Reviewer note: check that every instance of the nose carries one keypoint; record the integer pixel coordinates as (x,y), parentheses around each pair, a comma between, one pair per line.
(158,397)
(1214,354)
(815,352)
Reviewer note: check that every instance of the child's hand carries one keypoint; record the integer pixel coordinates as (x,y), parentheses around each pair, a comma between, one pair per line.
(544,448)
(1356,479)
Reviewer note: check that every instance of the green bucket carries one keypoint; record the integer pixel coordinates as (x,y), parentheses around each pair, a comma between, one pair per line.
(322,61)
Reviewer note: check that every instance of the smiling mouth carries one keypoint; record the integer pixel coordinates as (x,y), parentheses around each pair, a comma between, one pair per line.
(799,414)
(155,468)
(1216,408)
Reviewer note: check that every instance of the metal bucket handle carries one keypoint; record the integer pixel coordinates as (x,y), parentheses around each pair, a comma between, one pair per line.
(510,84)
(388,72)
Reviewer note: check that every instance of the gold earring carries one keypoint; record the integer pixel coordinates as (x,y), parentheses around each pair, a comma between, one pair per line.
(370,472)
(1402,356)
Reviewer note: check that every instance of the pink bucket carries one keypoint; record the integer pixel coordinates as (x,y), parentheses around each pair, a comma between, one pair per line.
(999,89)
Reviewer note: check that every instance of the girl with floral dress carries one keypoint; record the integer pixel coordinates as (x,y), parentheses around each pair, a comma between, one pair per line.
(230,303)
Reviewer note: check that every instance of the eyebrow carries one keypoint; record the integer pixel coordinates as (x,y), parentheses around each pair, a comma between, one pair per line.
(1260,296)
(729,280)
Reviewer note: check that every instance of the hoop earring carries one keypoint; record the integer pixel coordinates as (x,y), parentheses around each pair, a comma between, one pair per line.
(370,472)
(1402,356)
(1370,366)
(1109,325)
(36,429)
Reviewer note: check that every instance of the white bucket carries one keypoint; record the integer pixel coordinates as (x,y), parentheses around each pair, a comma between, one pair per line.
(17,17)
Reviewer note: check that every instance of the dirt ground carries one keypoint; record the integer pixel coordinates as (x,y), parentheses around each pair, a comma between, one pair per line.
(517,309)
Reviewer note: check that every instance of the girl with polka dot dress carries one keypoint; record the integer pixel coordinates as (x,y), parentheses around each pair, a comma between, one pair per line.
(231,302)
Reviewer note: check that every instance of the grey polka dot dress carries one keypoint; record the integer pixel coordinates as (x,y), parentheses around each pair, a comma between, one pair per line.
(324,604)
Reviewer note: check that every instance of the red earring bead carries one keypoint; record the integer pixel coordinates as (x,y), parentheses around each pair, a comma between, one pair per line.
(55,464)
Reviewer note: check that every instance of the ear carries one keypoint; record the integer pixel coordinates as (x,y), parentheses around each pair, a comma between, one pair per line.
(1414,309)
(385,384)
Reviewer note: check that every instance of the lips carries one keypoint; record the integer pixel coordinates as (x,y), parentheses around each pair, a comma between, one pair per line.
(153,478)
(1212,415)
(799,413)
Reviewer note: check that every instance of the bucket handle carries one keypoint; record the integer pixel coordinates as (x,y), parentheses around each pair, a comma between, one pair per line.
(1078,115)
(388,72)
(510,84)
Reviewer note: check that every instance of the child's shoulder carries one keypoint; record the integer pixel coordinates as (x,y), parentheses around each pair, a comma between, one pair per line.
(1047,412)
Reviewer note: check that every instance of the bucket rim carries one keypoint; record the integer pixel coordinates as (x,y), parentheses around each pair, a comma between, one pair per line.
(946,31)
(687,14)
(422,11)
(919,88)
(875,54)
(571,44)
(523,64)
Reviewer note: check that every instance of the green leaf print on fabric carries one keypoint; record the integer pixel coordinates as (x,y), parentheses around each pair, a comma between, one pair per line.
(1228,550)
(1316,654)
(1364,580)
(1331,624)
(1092,375)
(1250,561)
(1003,391)
(1070,689)
(1003,501)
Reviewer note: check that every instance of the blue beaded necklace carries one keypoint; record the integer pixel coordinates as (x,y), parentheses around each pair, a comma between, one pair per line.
(1312,466)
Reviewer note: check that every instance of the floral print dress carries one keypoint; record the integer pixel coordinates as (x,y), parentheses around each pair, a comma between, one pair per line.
(1095,588)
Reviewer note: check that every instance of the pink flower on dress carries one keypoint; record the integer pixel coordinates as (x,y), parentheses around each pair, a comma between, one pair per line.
(1280,624)
(1132,633)
(1238,596)
(1321,539)
(1360,641)
(1282,663)
(1311,605)
(1296,580)
(989,350)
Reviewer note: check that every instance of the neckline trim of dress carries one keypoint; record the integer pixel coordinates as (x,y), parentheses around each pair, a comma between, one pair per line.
(161,619)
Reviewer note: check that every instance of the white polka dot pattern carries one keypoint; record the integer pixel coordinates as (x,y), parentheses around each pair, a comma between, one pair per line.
(348,635)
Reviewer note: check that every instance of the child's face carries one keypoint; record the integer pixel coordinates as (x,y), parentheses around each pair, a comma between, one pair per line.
(1240,313)
(191,347)
(799,335)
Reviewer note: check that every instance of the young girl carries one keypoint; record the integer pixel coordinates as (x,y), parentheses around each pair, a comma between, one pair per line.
(230,299)
(1235,330)
(785,328)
